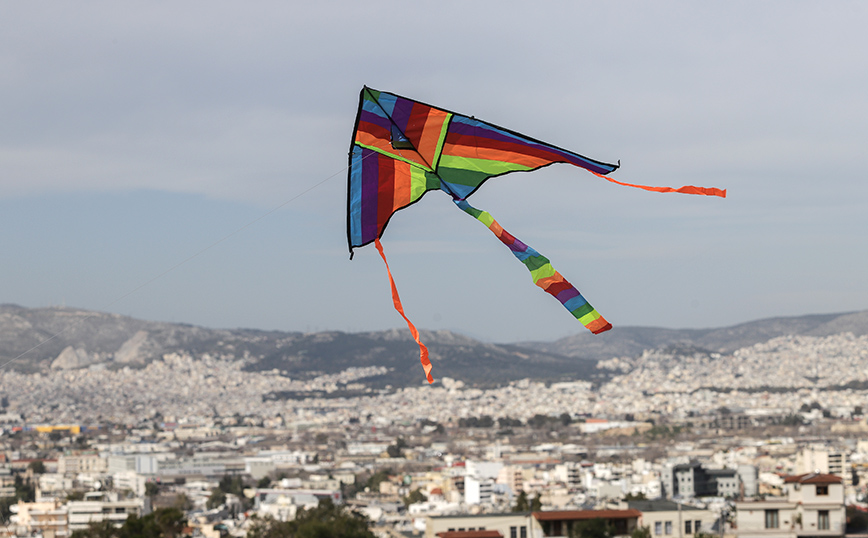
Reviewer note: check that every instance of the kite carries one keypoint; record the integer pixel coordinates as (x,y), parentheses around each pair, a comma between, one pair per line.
(402,149)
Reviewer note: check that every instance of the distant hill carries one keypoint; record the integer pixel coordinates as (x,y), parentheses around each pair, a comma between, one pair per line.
(631,341)
(85,339)
(69,338)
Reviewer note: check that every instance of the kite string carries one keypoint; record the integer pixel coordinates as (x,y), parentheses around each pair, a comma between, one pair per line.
(173,267)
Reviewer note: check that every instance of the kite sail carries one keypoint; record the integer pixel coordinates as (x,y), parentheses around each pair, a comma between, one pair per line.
(402,149)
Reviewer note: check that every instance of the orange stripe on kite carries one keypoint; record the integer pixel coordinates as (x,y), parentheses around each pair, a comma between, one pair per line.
(687,189)
(498,155)
(396,300)
(544,283)
(403,189)
(599,325)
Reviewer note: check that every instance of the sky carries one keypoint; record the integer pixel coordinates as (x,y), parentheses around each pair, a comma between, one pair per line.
(186,162)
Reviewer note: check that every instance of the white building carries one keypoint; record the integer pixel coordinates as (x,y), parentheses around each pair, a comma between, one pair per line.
(813,506)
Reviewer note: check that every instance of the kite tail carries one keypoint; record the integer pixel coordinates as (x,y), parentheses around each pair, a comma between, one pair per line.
(542,272)
(423,351)
(687,189)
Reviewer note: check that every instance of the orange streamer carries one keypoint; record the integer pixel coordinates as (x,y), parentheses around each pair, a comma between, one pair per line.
(687,189)
(423,351)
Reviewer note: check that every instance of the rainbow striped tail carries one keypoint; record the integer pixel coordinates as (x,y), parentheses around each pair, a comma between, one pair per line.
(542,272)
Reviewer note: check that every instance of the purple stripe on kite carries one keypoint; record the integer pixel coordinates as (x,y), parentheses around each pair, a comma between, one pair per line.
(492,133)
(376,119)
(567,294)
(370,107)
(518,246)
(575,302)
(370,188)
(401,114)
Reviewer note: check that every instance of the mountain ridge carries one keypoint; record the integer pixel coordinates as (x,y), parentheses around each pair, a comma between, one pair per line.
(69,338)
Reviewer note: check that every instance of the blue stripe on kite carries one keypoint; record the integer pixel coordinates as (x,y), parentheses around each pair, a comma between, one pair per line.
(460,191)
(371,107)
(387,101)
(521,255)
(355,194)
(575,302)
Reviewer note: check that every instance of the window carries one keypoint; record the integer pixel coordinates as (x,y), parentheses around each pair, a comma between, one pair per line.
(524,532)
(822,490)
(513,532)
(668,527)
(688,527)
(696,526)
(772,519)
(658,527)
(823,520)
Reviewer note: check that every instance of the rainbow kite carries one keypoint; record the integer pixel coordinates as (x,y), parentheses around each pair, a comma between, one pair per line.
(402,149)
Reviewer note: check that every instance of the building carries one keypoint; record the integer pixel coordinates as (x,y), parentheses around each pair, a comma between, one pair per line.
(693,480)
(98,507)
(812,506)
(81,462)
(552,523)
(510,525)
(676,520)
(46,518)
(821,460)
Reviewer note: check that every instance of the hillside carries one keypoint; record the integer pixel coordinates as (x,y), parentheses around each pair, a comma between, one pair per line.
(632,341)
(70,339)
(91,339)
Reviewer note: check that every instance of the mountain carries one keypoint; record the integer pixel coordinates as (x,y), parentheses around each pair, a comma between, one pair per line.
(632,341)
(44,339)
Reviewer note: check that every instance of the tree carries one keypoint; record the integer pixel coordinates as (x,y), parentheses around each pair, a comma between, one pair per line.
(521,503)
(264,482)
(641,532)
(536,503)
(592,528)
(415,496)
(151,489)
(97,529)
(36,466)
(217,498)
(635,497)
(325,521)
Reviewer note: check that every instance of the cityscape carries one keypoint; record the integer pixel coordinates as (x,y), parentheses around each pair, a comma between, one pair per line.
(765,440)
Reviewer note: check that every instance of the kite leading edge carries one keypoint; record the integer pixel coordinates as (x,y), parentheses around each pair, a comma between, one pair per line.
(402,149)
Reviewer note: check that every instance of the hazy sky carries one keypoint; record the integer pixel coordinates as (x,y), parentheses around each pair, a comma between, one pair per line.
(134,135)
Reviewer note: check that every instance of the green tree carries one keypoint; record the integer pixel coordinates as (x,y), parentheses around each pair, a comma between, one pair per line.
(536,503)
(592,528)
(37,467)
(635,497)
(217,498)
(5,508)
(415,496)
(325,521)
(151,489)
(98,529)
(161,523)
(264,482)
(373,482)
(521,503)
(641,532)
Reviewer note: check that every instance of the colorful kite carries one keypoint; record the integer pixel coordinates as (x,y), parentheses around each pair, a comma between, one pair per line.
(402,149)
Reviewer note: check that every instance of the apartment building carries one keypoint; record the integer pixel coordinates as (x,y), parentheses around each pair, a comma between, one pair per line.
(812,506)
